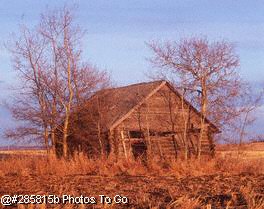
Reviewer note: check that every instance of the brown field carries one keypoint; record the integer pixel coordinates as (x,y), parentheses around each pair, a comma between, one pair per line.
(228,181)
(22,152)
(247,151)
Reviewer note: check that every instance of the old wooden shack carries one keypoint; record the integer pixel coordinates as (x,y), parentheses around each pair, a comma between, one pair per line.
(137,120)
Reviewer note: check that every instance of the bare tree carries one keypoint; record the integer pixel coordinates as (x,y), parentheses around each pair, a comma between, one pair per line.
(247,105)
(30,104)
(208,68)
(55,80)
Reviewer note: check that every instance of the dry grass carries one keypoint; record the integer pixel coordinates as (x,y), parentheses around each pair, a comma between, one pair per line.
(25,152)
(253,199)
(253,146)
(186,202)
(246,151)
(80,165)
(159,184)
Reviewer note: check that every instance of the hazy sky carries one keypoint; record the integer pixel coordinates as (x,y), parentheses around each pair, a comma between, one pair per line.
(117,31)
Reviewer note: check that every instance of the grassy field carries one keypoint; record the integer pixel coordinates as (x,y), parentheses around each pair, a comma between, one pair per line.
(224,182)
(5,154)
(246,151)
(23,152)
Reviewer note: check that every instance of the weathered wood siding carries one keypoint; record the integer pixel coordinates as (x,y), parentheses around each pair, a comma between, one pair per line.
(161,120)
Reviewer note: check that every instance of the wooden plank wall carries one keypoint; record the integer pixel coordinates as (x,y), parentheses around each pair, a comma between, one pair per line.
(157,115)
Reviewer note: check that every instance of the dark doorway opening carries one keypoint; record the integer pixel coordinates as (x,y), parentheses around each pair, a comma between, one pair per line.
(139,150)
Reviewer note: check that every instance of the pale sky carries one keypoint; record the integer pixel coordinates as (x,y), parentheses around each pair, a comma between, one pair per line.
(117,31)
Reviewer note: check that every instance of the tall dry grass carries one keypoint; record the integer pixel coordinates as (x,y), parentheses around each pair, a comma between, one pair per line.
(254,200)
(80,165)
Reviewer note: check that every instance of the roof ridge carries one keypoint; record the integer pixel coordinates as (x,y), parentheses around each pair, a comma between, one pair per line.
(135,84)
(161,83)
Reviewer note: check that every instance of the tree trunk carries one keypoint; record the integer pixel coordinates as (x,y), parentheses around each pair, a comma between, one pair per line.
(185,119)
(203,116)
(113,152)
(149,145)
(46,139)
(124,144)
(67,106)
(65,135)
(53,141)
(99,135)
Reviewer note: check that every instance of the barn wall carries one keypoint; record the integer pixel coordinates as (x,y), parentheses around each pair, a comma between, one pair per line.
(161,120)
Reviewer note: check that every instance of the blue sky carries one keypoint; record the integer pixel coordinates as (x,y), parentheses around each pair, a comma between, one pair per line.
(117,31)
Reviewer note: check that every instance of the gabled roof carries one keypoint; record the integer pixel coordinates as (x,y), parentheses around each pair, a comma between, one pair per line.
(120,102)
